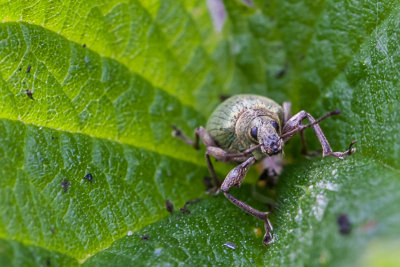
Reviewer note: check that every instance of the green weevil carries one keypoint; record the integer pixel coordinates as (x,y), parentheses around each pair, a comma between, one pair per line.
(247,128)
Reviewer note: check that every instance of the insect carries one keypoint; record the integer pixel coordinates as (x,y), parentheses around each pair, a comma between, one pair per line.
(247,128)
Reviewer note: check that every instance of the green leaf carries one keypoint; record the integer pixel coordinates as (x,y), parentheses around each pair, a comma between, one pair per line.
(92,88)
(17,254)
(312,196)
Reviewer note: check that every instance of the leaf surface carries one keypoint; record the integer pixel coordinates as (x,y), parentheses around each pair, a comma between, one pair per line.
(92,88)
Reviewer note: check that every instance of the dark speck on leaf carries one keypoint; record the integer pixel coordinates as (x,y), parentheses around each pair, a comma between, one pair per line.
(48,262)
(282,72)
(28,69)
(65,184)
(344,224)
(252,261)
(185,210)
(169,206)
(230,245)
(29,93)
(84,45)
(145,237)
(89,177)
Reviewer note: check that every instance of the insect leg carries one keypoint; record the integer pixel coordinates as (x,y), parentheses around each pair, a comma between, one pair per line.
(220,155)
(212,149)
(234,178)
(293,126)
(204,136)
(212,171)
(268,237)
(199,133)
(237,174)
(304,149)
(287,111)
(178,133)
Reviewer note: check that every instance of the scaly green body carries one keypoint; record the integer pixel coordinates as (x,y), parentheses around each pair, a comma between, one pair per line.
(230,123)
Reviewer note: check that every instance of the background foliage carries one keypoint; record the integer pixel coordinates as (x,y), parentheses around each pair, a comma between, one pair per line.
(105,82)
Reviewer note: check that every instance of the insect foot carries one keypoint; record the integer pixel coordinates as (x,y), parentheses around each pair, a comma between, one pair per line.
(347,153)
(268,237)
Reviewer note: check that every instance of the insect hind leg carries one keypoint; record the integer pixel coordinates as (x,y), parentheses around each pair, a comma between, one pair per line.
(234,178)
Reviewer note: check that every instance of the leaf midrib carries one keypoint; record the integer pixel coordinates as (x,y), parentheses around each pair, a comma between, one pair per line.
(191,160)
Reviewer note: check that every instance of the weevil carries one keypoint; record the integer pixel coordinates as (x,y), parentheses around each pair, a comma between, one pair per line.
(247,128)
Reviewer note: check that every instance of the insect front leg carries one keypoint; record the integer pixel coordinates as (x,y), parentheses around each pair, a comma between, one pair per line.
(287,114)
(212,149)
(222,155)
(294,125)
(234,178)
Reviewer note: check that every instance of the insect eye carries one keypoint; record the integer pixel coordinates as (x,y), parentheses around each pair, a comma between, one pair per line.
(275,125)
(253,132)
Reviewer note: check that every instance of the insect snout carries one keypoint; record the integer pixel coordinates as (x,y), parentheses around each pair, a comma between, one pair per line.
(272,145)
